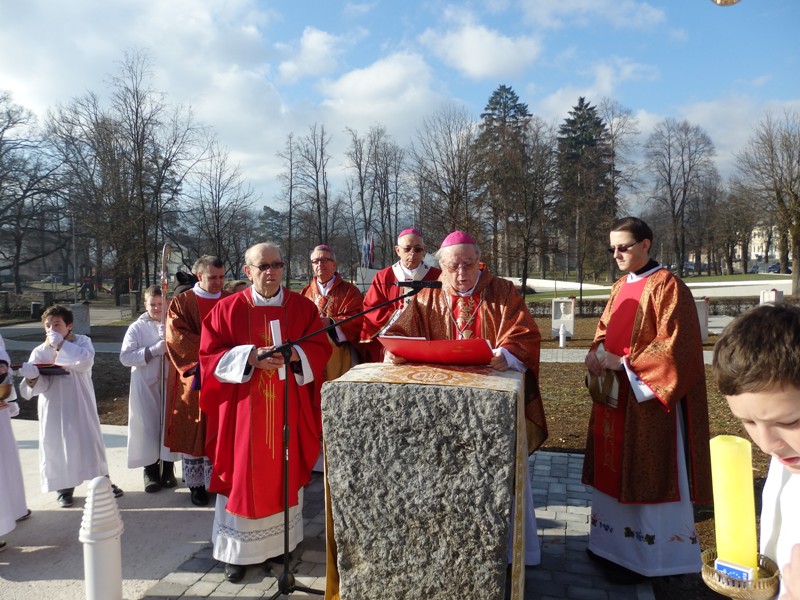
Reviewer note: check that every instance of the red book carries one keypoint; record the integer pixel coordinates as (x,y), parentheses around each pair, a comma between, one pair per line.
(474,351)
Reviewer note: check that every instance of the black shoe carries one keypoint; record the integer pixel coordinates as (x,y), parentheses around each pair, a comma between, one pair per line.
(152,482)
(199,496)
(234,573)
(3,545)
(116,491)
(168,474)
(65,499)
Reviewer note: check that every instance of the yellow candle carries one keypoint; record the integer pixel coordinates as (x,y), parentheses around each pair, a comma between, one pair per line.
(734,505)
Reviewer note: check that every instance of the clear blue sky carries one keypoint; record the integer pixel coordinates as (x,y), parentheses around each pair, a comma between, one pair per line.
(258,70)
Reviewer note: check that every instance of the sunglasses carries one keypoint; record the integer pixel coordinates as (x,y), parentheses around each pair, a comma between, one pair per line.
(316,261)
(414,249)
(274,266)
(623,248)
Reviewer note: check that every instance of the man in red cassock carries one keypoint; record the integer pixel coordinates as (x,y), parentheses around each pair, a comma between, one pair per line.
(473,303)
(184,425)
(647,454)
(336,299)
(410,249)
(243,398)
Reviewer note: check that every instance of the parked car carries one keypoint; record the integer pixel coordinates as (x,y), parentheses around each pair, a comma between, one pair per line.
(776,268)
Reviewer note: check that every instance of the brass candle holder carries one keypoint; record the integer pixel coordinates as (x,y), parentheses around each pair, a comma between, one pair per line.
(763,588)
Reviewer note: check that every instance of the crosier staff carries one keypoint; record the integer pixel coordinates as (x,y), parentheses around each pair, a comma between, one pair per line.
(162,388)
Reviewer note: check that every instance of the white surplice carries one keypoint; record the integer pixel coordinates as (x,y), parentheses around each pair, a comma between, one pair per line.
(145,403)
(71,448)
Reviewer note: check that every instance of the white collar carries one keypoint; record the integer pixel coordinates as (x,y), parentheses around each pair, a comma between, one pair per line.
(633,277)
(259,300)
(324,288)
(204,294)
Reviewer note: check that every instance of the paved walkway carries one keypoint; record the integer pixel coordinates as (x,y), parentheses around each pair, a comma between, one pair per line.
(562,513)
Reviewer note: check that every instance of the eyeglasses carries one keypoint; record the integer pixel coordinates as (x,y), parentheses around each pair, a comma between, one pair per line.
(463,266)
(323,260)
(622,248)
(414,249)
(274,266)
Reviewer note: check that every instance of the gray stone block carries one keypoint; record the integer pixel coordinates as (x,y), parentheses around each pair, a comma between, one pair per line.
(421,487)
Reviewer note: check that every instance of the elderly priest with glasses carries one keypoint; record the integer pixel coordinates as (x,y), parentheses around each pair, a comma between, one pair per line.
(410,249)
(243,397)
(473,303)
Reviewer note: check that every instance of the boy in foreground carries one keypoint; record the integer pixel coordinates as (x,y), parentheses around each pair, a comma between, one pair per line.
(757,368)
(71,448)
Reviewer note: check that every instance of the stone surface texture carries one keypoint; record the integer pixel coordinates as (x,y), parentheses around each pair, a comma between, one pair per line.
(421,485)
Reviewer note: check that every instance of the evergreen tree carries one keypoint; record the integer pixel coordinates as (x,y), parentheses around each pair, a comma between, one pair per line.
(586,206)
(501,174)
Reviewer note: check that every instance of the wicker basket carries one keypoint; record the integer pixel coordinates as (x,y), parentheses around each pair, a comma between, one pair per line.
(763,588)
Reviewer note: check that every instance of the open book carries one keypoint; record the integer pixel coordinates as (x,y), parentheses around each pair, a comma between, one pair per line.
(473,351)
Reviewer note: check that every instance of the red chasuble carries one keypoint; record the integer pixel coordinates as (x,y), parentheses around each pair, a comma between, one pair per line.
(499,315)
(184,426)
(609,422)
(245,421)
(666,353)
(383,289)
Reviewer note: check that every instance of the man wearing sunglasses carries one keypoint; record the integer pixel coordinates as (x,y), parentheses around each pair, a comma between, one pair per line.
(243,398)
(336,299)
(410,250)
(647,454)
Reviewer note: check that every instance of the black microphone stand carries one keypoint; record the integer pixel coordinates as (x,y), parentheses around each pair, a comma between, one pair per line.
(286,580)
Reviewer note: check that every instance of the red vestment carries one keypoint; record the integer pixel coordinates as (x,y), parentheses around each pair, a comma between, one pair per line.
(342,300)
(382,289)
(501,317)
(666,352)
(245,420)
(184,426)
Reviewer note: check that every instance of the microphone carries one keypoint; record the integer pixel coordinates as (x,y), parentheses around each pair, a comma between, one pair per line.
(419,285)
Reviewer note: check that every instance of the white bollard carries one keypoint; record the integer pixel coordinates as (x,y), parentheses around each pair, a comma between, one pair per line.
(562,336)
(101,529)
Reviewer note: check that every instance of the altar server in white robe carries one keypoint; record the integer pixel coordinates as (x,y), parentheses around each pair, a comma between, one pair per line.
(143,349)
(13,507)
(71,448)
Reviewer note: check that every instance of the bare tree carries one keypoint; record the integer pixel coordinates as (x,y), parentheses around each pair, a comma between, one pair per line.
(623,131)
(160,151)
(312,186)
(679,159)
(221,208)
(30,213)
(444,166)
(770,167)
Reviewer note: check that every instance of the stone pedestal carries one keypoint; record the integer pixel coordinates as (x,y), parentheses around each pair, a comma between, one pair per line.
(420,465)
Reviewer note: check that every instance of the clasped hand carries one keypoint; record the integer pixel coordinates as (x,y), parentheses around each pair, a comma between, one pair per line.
(272,362)
(597,365)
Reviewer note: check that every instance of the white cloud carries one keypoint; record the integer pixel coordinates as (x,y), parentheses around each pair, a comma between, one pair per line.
(316,55)
(603,79)
(482,53)
(358,9)
(395,91)
(629,14)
